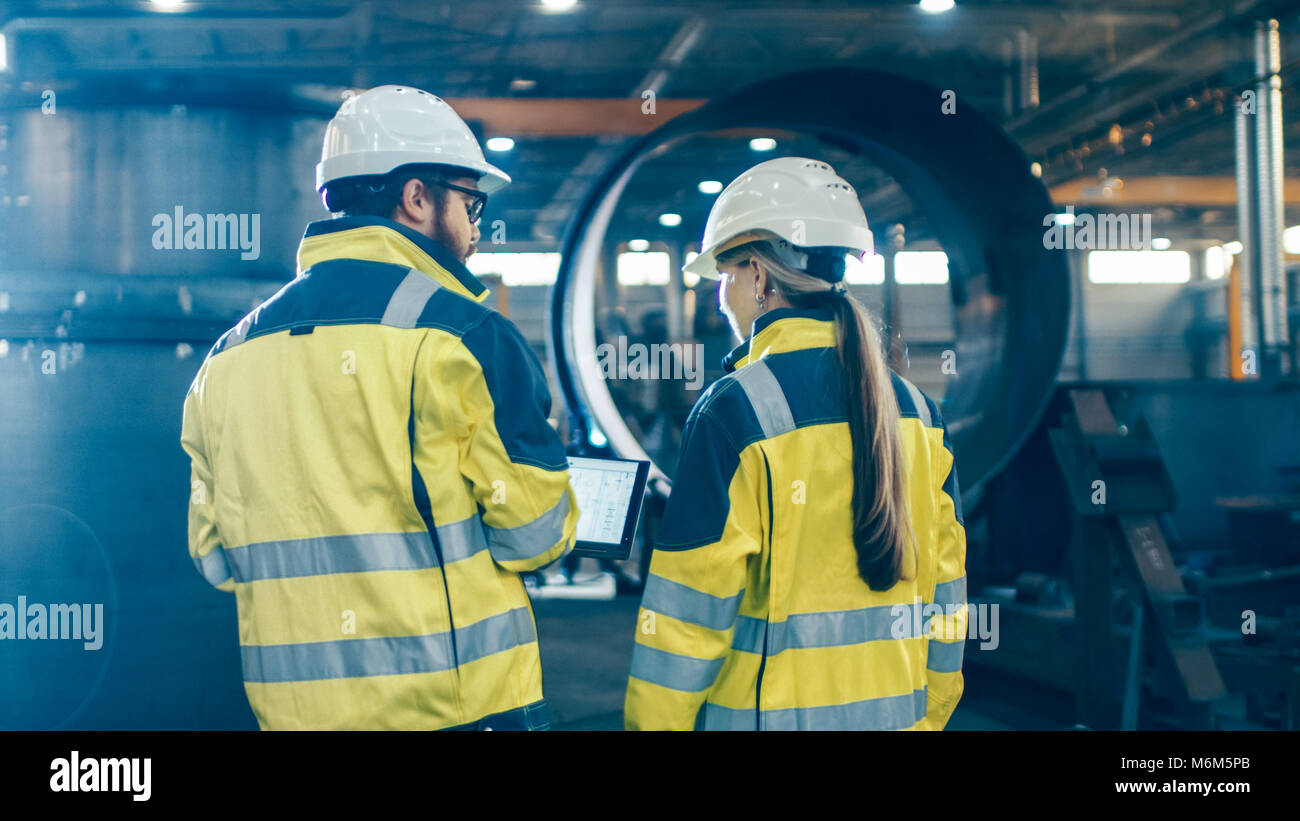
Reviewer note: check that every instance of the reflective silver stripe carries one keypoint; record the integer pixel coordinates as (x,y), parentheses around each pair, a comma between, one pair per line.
(885,713)
(355,553)
(528,541)
(953,592)
(460,540)
(238,333)
(214,567)
(408,301)
(945,657)
(765,394)
(674,671)
(918,399)
(495,634)
(670,598)
(397,655)
(834,629)
(347,658)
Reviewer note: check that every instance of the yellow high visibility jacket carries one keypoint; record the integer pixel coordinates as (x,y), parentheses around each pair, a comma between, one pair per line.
(372,468)
(754,615)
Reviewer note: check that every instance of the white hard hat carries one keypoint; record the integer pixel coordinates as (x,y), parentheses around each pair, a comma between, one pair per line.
(381,129)
(799,200)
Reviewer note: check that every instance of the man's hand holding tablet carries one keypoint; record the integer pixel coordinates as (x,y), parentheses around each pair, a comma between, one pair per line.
(610,493)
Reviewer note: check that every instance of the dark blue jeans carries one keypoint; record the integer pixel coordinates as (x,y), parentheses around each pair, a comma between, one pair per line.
(534,716)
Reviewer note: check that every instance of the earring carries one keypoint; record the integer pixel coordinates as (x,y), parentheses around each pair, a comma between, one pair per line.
(761,300)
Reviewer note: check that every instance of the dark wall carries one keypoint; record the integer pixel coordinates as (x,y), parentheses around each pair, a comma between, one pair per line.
(1218,439)
(93,493)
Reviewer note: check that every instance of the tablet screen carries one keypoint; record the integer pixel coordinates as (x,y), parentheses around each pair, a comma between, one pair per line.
(604,491)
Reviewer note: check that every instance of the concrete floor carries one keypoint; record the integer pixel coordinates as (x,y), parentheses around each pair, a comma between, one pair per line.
(586,649)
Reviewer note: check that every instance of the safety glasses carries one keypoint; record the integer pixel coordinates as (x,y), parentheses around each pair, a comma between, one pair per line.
(475,207)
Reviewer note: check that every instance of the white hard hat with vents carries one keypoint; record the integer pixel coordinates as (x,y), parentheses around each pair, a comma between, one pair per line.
(386,127)
(795,199)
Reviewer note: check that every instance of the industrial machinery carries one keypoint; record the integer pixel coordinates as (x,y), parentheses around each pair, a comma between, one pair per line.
(1166,517)
(1073,617)
(1009,294)
(99,342)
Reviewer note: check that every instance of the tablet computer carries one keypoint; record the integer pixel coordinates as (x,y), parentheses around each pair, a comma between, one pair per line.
(609,493)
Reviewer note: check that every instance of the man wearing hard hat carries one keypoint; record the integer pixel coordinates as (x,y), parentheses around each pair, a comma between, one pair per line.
(372,466)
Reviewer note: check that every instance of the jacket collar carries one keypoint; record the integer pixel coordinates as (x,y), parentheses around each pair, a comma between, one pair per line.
(382,240)
(783,329)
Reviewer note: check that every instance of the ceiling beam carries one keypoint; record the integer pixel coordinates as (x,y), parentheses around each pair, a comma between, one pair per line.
(575,117)
(1162,190)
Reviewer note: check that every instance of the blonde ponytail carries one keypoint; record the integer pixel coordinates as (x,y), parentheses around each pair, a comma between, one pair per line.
(882,532)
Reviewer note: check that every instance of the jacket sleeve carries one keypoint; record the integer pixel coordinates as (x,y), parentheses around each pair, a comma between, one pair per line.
(696,581)
(947,628)
(205,544)
(490,393)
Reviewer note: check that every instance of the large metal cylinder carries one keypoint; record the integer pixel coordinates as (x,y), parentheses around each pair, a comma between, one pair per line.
(91,187)
(1009,291)
(101,333)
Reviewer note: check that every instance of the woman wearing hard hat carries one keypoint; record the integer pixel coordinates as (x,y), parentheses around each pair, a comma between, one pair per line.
(810,572)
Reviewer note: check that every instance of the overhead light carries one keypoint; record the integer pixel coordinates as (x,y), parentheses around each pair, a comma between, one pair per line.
(522,84)
(500,144)
(1233,247)
(670,220)
(596,437)
(1036,169)
(638,245)
(4,53)
(1291,239)
(1160,244)
(936,6)
(710,187)
(762,144)
(558,5)
(167,5)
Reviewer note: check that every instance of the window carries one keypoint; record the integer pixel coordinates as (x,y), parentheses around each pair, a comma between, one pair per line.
(517,268)
(1136,267)
(910,268)
(1218,262)
(643,268)
(921,267)
(690,279)
(869,270)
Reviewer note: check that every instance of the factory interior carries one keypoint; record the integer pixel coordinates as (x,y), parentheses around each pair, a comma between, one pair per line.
(1086,228)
